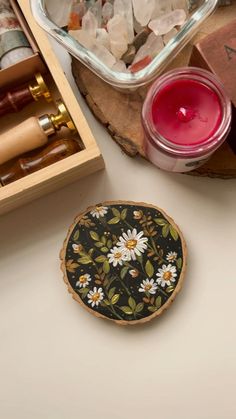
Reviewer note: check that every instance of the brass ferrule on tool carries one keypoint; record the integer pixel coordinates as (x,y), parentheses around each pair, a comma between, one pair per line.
(52,123)
(38,88)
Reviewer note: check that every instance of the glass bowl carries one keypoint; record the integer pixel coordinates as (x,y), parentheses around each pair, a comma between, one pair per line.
(122,80)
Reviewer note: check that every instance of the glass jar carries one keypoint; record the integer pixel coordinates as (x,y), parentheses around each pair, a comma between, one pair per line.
(123,81)
(186,117)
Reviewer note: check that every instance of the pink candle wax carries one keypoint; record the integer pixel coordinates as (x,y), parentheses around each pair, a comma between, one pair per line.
(186,117)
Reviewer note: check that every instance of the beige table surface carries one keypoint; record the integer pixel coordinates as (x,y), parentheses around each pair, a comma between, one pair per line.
(59,362)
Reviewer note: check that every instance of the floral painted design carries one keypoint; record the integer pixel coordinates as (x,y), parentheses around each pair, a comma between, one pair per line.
(95,297)
(77,248)
(99,211)
(134,273)
(117,256)
(83,281)
(166,275)
(124,261)
(171,256)
(148,286)
(133,243)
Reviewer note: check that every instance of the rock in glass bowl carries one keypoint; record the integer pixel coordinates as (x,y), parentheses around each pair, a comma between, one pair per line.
(42,11)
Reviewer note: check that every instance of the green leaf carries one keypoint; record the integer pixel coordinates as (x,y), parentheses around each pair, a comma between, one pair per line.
(139,307)
(103,239)
(140,259)
(106,267)
(84,292)
(149,269)
(132,303)
(76,235)
(165,230)
(126,310)
(106,282)
(99,244)
(124,271)
(94,235)
(109,244)
(174,233)
(115,220)
(116,212)
(104,249)
(179,263)
(152,309)
(160,221)
(123,214)
(115,298)
(170,289)
(100,259)
(81,290)
(90,252)
(107,302)
(85,260)
(158,302)
(111,293)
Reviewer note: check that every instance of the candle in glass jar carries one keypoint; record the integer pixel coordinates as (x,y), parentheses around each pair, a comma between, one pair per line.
(186,116)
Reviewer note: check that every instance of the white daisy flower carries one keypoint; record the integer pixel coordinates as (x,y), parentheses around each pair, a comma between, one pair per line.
(95,296)
(83,281)
(166,275)
(117,256)
(133,243)
(171,256)
(99,211)
(148,285)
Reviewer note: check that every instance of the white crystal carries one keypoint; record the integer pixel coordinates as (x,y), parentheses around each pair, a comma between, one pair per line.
(180,4)
(107,12)
(85,39)
(168,36)
(103,37)
(124,8)
(90,23)
(103,54)
(117,29)
(152,47)
(120,67)
(161,7)
(143,10)
(165,23)
(59,15)
(96,9)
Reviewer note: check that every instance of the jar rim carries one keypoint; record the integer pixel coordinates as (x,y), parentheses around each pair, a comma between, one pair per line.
(214,141)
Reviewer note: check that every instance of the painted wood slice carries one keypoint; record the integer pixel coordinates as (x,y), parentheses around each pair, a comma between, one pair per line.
(124,261)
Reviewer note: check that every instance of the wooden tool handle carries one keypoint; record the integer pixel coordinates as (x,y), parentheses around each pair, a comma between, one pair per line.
(15,100)
(24,137)
(57,150)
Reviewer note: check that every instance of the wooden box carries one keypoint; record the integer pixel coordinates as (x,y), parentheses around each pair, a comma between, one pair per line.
(83,163)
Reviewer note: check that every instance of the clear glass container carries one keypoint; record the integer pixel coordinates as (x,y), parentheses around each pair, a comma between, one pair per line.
(124,80)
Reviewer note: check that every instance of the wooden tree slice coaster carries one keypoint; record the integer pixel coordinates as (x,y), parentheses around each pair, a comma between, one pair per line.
(124,261)
(120,113)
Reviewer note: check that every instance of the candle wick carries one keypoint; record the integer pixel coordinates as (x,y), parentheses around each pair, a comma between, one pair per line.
(185,115)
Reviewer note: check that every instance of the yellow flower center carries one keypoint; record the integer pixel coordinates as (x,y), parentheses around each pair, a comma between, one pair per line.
(117,255)
(148,287)
(98,208)
(131,244)
(82,279)
(167,276)
(95,297)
